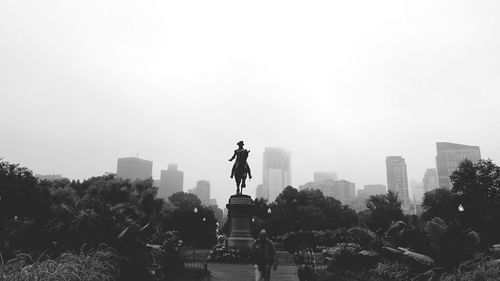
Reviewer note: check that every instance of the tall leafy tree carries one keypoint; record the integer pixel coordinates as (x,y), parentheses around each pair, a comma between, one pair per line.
(477,188)
(439,203)
(383,209)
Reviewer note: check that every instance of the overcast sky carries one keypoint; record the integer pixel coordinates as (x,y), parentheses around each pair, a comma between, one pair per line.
(341,84)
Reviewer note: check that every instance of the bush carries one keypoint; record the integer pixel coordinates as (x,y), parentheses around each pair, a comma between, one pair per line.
(223,254)
(480,268)
(343,255)
(101,264)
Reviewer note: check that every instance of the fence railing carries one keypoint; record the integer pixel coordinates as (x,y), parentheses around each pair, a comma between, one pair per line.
(195,259)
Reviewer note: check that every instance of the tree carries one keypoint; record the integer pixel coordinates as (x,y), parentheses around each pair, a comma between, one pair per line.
(439,203)
(308,210)
(185,201)
(382,210)
(477,188)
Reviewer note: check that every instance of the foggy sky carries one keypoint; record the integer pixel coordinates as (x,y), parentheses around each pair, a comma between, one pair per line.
(341,84)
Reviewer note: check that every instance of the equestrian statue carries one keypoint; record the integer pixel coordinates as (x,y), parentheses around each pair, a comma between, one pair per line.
(240,167)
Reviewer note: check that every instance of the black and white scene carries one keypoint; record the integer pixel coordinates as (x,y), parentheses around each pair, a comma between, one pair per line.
(257,140)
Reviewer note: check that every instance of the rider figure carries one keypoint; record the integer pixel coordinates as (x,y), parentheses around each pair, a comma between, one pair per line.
(238,155)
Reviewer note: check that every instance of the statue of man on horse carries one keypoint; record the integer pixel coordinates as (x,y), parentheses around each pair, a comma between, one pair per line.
(240,168)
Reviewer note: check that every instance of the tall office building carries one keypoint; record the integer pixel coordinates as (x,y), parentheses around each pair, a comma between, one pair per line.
(342,190)
(372,189)
(397,177)
(430,180)
(133,168)
(260,192)
(202,190)
(449,155)
(320,177)
(171,181)
(346,191)
(276,172)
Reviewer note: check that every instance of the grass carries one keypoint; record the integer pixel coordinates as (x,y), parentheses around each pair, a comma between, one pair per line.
(100,265)
(479,269)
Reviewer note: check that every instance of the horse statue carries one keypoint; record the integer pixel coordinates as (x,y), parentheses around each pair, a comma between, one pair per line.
(241,171)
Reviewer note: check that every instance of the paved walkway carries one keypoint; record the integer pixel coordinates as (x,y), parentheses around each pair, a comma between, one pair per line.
(246,272)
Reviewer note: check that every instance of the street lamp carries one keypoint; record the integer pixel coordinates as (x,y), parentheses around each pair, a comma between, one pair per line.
(460,208)
(195,210)
(204,219)
(269,211)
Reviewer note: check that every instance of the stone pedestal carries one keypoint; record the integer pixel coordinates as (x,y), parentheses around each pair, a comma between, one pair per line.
(239,216)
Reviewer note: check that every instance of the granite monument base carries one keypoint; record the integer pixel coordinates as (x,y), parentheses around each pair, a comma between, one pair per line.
(239,216)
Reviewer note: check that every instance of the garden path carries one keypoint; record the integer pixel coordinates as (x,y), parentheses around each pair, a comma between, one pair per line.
(246,272)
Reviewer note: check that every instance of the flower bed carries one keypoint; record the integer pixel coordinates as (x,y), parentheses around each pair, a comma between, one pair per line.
(223,254)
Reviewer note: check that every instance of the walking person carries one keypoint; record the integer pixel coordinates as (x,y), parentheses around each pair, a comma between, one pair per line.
(264,256)
(306,264)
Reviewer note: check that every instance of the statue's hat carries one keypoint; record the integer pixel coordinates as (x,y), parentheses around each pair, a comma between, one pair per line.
(240,143)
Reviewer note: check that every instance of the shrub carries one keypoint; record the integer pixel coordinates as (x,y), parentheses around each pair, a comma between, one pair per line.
(223,254)
(101,264)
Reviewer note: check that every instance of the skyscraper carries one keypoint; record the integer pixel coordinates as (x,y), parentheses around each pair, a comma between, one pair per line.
(346,191)
(276,171)
(202,190)
(320,177)
(171,181)
(430,180)
(260,192)
(397,177)
(133,168)
(449,155)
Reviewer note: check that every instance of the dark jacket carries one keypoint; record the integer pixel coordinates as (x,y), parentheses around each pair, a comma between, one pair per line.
(264,252)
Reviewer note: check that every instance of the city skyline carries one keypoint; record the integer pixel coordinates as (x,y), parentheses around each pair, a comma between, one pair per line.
(340,84)
(251,190)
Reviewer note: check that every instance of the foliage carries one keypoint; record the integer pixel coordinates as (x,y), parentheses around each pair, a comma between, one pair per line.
(59,216)
(480,268)
(343,255)
(223,254)
(439,203)
(391,271)
(382,210)
(196,228)
(307,210)
(451,244)
(477,188)
(101,264)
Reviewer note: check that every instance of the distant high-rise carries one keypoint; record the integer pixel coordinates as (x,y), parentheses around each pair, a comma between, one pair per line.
(346,191)
(276,172)
(372,189)
(49,177)
(133,168)
(202,190)
(342,190)
(359,204)
(449,155)
(397,177)
(430,180)
(171,181)
(320,177)
(260,192)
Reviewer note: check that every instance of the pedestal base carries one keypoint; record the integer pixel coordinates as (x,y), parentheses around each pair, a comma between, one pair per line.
(239,216)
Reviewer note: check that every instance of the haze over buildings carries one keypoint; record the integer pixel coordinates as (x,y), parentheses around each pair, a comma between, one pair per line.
(430,180)
(397,177)
(449,156)
(86,82)
(276,172)
(171,181)
(134,168)
(320,177)
(202,190)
